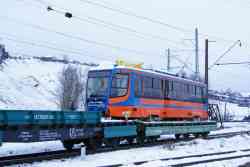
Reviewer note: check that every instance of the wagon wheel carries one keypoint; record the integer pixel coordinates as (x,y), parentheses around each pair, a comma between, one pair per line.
(68,145)
(152,139)
(113,142)
(93,144)
(196,135)
(140,140)
(205,134)
(186,136)
(130,140)
(177,136)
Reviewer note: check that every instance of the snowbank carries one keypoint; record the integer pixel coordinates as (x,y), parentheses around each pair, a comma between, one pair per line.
(29,84)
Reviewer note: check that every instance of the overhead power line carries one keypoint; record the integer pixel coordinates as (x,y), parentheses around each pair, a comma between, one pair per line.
(129,13)
(149,19)
(111,25)
(106,24)
(233,63)
(102,44)
(185,64)
(41,45)
(227,51)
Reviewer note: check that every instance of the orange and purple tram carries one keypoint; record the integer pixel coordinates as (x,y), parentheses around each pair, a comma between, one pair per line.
(143,94)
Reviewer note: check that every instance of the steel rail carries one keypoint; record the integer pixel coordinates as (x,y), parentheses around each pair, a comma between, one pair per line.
(192,156)
(162,142)
(35,157)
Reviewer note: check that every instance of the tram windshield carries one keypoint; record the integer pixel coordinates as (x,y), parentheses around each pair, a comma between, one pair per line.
(97,86)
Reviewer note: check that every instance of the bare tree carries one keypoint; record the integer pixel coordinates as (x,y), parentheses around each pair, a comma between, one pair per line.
(71,90)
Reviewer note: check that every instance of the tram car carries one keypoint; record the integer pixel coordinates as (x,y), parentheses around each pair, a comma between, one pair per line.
(133,93)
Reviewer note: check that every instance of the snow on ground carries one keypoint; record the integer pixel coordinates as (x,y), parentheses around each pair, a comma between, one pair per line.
(153,154)
(29,84)
(232,127)
(126,157)
(237,113)
(28,148)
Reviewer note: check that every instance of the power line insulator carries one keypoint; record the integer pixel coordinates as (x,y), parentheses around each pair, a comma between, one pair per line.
(49,8)
(68,15)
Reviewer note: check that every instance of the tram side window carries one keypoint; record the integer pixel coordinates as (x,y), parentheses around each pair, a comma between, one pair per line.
(138,86)
(186,91)
(157,91)
(119,85)
(182,90)
(166,93)
(204,92)
(176,90)
(170,89)
(198,91)
(193,91)
(147,87)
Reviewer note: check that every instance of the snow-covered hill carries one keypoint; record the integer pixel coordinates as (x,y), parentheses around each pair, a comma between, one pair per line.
(29,84)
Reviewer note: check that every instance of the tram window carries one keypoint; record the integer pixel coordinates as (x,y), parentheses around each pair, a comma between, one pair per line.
(166,88)
(138,86)
(157,84)
(204,92)
(147,86)
(193,90)
(176,89)
(170,89)
(186,90)
(157,91)
(119,85)
(198,91)
(170,86)
(147,82)
(182,90)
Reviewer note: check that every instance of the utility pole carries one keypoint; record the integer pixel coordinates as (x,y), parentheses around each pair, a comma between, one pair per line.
(206,64)
(196,53)
(168,59)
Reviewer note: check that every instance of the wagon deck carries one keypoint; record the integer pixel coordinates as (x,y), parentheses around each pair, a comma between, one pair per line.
(35,126)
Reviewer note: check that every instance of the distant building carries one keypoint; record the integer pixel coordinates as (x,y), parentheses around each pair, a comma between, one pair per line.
(3,54)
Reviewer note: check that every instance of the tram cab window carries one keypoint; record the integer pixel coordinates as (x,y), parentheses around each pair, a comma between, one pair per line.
(119,85)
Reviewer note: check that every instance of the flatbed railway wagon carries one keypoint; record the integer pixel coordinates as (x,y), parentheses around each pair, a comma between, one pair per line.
(88,127)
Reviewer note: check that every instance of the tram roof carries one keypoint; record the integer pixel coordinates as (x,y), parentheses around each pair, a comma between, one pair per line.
(148,72)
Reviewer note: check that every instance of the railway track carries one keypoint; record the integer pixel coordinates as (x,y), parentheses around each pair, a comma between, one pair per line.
(61,154)
(227,154)
(36,157)
(164,141)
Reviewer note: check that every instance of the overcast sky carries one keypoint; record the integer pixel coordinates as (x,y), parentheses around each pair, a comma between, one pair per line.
(100,37)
